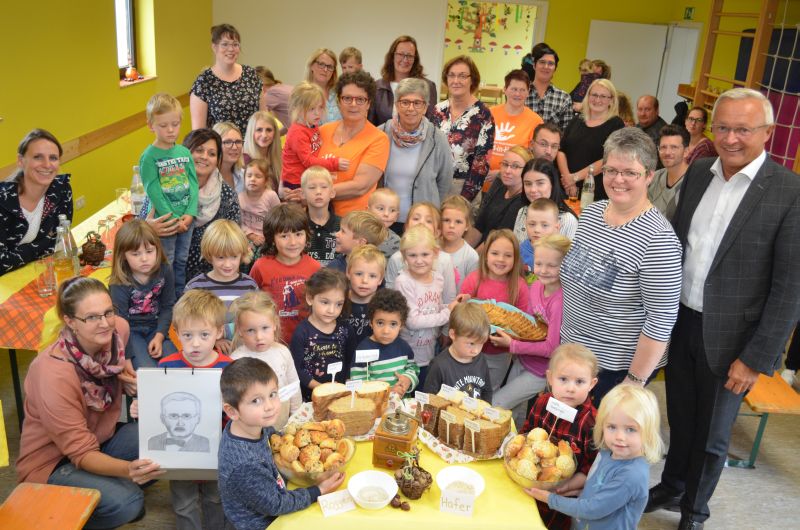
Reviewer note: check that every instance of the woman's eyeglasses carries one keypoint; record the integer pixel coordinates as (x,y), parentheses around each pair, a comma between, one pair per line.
(95,319)
(326,67)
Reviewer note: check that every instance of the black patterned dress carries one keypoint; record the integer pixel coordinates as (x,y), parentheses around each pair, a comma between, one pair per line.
(232,101)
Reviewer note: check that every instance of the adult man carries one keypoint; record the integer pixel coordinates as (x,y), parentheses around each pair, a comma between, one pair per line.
(738,219)
(647,115)
(180,414)
(549,102)
(663,190)
(546,141)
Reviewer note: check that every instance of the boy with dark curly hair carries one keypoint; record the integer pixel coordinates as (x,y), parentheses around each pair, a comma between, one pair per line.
(387,313)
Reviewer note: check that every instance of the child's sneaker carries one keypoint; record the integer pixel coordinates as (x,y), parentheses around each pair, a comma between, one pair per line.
(788,376)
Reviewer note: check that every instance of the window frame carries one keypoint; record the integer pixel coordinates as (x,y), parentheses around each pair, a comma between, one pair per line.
(131,31)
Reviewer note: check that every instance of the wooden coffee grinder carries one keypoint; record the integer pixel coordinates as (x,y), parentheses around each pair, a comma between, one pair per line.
(397,433)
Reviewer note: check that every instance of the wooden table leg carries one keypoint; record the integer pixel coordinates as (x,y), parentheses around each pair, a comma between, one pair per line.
(12,357)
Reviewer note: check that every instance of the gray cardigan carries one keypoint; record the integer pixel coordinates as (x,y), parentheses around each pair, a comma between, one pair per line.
(434,175)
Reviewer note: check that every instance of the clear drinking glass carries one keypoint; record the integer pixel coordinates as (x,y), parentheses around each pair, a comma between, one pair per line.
(45,276)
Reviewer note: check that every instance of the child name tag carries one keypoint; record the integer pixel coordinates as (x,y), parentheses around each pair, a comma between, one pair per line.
(457,503)
(367,356)
(421,397)
(470,403)
(286,392)
(336,503)
(561,410)
(492,414)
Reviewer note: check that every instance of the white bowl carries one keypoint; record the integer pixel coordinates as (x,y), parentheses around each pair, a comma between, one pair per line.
(450,474)
(372,479)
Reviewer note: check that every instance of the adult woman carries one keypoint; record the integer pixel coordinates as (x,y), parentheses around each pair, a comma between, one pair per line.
(261,140)
(232,166)
(622,276)
(31,201)
(501,203)
(513,118)
(582,144)
(700,146)
(539,181)
(216,200)
(275,96)
(401,62)
(73,395)
(321,70)
(420,166)
(551,103)
(357,140)
(228,91)
(468,125)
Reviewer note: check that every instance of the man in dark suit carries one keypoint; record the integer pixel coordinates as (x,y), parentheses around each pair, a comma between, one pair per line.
(738,219)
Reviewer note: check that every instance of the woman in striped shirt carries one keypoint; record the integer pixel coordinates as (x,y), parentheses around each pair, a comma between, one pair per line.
(622,275)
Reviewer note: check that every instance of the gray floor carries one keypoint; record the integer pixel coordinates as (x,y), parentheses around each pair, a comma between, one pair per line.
(762,498)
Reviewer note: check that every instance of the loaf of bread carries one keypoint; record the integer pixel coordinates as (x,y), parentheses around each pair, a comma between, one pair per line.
(456,428)
(486,441)
(429,413)
(358,419)
(323,395)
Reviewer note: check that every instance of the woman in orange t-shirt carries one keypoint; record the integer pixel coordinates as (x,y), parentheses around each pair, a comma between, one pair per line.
(354,138)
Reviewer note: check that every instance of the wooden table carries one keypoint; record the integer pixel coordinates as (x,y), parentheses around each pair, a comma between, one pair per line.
(46,506)
(503,504)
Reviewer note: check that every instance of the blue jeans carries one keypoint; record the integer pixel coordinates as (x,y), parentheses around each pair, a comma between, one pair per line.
(195,503)
(176,248)
(141,335)
(121,500)
(608,379)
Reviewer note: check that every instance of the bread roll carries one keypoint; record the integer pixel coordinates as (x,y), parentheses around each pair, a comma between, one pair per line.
(289,452)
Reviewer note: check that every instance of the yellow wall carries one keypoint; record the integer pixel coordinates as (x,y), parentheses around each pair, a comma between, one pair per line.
(61,75)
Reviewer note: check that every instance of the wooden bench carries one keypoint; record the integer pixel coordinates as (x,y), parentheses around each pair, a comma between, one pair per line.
(770,395)
(45,506)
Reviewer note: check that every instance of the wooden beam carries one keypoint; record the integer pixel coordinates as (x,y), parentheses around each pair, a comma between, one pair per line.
(708,52)
(755,68)
(92,140)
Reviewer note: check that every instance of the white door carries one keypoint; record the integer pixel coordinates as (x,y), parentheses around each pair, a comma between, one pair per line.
(678,66)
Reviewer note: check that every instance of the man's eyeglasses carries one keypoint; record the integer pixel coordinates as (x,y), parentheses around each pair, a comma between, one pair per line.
(185,416)
(545,145)
(94,319)
(739,132)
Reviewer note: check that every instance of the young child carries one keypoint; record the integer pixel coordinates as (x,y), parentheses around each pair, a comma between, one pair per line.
(284,266)
(358,227)
(258,331)
(462,365)
(350,60)
(385,203)
(225,248)
(258,197)
(423,288)
(499,278)
(615,493)
(143,292)
(198,317)
(388,312)
(456,220)
(252,490)
(541,220)
(426,214)
(365,266)
(170,181)
(588,75)
(571,375)
(323,338)
(303,142)
(260,142)
(317,186)
(527,375)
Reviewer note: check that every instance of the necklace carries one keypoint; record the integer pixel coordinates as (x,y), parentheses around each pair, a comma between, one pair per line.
(342,135)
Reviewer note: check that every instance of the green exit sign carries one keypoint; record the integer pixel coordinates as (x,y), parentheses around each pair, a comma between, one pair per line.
(688,13)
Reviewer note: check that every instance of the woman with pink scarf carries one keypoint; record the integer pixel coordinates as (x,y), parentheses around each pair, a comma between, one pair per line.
(420,166)
(73,395)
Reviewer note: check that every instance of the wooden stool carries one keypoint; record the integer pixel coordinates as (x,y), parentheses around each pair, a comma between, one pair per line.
(45,506)
(770,395)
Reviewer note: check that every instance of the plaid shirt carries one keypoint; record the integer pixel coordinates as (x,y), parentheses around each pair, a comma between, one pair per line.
(471,140)
(578,434)
(555,106)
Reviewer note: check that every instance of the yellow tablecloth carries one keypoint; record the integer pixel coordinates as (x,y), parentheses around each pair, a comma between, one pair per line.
(502,505)
(13,281)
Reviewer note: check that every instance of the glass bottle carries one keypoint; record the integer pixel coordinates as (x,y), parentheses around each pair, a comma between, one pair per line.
(587,191)
(137,191)
(62,257)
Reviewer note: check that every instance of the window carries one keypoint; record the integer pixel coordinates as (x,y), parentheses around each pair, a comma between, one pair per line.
(126,36)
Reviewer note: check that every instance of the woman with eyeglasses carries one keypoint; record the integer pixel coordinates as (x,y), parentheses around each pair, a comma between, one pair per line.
(401,62)
(356,139)
(232,166)
(321,70)
(582,143)
(420,166)
(468,125)
(228,91)
(73,396)
(216,199)
(700,145)
(500,205)
(622,275)
(31,201)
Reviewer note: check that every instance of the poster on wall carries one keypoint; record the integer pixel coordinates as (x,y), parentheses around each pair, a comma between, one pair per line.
(496,35)
(180,413)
